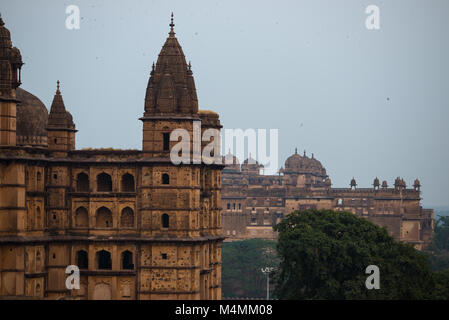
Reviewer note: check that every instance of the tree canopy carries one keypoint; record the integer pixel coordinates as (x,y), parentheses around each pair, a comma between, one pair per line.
(324,255)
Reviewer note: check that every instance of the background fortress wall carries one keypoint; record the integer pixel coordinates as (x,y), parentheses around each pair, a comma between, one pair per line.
(253,203)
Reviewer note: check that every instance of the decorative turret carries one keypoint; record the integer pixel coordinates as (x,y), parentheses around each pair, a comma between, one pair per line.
(353,183)
(399,184)
(328,183)
(376,184)
(417,185)
(10,64)
(60,127)
(10,79)
(384,184)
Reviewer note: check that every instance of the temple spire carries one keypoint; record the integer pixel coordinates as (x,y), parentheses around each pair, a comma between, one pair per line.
(57,87)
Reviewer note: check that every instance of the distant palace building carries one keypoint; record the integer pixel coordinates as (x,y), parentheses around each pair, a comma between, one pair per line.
(253,203)
(136,225)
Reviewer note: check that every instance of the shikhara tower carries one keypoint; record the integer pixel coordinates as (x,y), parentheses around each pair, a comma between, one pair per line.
(137,226)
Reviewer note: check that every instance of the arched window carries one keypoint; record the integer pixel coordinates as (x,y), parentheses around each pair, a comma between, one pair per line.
(127,218)
(127,183)
(165,221)
(82,260)
(165,179)
(104,182)
(81,217)
(39,176)
(127,260)
(340,202)
(104,261)
(82,182)
(166,142)
(104,218)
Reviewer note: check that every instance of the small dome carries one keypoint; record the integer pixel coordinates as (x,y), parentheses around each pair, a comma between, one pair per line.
(16,57)
(32,116)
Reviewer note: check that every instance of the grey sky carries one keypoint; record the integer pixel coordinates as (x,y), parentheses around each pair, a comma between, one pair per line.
(371,103)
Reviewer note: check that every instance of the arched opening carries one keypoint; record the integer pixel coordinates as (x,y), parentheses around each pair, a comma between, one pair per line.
(166,141)
(127,183)
(165,179)
(104,218)
(81,218)
(39,176)
(165,221)
(104,261)
(340,202)
(104,182)
(127,260)
(82,182)
(127,218)
(82,260)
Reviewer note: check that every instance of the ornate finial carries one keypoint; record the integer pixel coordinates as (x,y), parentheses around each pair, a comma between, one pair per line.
(152,67)
(1,21)
(57,87)
(190,66)
(296,150)
(172,25)
(312,156)
(304,153)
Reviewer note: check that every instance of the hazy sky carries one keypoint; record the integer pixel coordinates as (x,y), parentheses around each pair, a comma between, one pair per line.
(367,103)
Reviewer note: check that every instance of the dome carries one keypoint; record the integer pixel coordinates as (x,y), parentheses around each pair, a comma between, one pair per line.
(303,164)
(32,116)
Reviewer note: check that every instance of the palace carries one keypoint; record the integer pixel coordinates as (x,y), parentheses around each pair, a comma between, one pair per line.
(253,203)
(136,225)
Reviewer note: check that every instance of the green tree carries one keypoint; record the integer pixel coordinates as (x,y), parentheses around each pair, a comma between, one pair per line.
(440,240)
(241,267)
(438,250)
(324,255)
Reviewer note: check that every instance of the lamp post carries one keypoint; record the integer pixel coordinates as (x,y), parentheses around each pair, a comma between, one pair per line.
(267,271)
